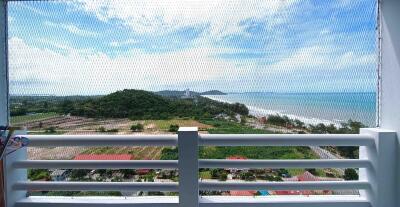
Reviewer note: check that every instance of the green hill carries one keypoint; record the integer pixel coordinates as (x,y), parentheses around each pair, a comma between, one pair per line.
(138,104)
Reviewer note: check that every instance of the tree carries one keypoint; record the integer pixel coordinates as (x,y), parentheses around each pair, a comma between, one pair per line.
(38,174)
(137,127)
(78,174)
(173,128)
(298,123)
(312,171)
(223,176)
(247,176)
(128,172)
(50,130)
(101,129)
(350,174)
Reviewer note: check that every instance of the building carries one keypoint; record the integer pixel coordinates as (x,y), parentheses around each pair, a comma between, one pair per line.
(306,176)
(187,94)
(59,175)
(242,193)
(236,157)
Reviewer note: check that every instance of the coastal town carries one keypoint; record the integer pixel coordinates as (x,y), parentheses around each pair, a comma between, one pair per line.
(219,122)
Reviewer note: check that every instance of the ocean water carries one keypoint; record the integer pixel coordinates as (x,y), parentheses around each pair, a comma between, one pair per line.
(311,108)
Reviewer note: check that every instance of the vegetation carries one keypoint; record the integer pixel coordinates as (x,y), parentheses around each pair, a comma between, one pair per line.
(221,126)
(137,127)
(104,130)
(257,152)
(83,193)
(139,105)
(350,174)
(38,174)
(169,153)
(173,128)
(50,130)
(19,119)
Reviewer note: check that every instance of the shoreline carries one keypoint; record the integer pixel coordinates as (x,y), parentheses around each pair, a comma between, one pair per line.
(260,112)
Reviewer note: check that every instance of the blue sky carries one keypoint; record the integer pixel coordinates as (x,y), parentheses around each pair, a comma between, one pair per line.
(100,46)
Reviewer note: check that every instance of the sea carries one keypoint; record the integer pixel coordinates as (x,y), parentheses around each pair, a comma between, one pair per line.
(311,108)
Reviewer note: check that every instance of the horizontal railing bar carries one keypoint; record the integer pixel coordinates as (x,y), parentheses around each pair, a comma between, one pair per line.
(205,201)
(285,140)
(285,201)
(97,164)
(102,140)
(318,185)
(95,186)
(275,164)
(99,201)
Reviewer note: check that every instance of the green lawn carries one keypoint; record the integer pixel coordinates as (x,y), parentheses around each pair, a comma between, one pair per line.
(228,127)
(164,125)
(205,175)
(266,152)
(33,117)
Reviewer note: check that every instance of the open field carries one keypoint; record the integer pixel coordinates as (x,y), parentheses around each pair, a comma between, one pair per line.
(81,125)
(163,125)
(19,120)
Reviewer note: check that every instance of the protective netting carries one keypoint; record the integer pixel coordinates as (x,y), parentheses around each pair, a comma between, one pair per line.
(295,66)
(311,60)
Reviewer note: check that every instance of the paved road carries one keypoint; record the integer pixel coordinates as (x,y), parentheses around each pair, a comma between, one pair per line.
(325,154)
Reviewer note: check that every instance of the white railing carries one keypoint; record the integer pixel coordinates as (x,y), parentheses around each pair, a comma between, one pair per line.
(376,164)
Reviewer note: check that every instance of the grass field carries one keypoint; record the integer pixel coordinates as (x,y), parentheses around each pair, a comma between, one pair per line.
(205,175)
(163,125)
(228,127)
(33,117)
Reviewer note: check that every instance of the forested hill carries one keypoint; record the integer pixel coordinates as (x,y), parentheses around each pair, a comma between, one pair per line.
(138,104)
(169,93)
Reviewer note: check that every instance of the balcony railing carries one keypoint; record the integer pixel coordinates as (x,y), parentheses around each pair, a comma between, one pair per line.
(375,163)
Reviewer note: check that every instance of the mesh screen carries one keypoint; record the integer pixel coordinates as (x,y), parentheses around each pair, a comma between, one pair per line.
(310,60)
(225,66)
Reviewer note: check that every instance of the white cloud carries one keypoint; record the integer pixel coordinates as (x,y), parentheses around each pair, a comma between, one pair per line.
(71,28)
(123,43)
(319,58)
(157,17)
(94,73)
(77,71)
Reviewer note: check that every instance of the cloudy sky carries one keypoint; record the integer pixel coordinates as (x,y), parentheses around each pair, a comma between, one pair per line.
(100,46)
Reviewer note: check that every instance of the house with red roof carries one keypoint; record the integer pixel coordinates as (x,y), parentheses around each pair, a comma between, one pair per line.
(242,192)
(306,176)
(236,157)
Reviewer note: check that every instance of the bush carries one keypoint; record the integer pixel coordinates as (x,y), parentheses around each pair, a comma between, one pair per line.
(113,130)
(223,176)
(137,127)
(247,176)
(350,174)
(38,174)
(79,174)
(50,130)
(173,128)
(101,129)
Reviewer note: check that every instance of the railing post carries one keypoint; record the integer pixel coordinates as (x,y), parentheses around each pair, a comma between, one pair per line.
(3,83)
(13,175)
(383,175)
(188,167)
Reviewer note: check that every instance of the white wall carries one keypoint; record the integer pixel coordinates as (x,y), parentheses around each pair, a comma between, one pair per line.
(390,88)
